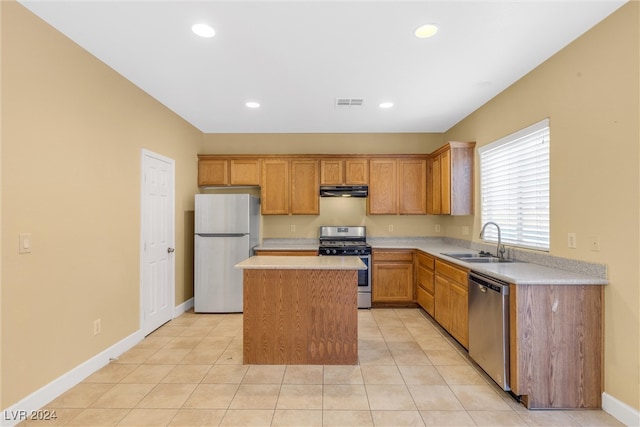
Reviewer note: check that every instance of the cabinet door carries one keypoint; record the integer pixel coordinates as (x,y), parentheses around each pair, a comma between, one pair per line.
(459,307)
(305,187)
(425,286)
(356,171)
(275,187)
(383,187)
(443,313)
(392,282)
(412,186)
(436,179)
(245,172)
(213,172)
(445,182)
(331,172)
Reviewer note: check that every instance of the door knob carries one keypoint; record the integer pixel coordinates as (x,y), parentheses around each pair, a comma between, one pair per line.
(171,250)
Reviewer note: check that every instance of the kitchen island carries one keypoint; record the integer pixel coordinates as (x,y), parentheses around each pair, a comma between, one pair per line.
(300,310)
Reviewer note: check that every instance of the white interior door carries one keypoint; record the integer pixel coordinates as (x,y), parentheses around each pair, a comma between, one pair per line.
(157,279)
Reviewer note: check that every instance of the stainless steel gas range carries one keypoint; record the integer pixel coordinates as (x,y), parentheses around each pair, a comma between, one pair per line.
(349,241)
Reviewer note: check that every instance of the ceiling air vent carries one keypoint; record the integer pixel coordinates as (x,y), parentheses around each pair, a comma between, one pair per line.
(349,102)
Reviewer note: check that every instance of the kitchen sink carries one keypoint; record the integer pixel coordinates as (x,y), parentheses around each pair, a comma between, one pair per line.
(477,258)
(483,260)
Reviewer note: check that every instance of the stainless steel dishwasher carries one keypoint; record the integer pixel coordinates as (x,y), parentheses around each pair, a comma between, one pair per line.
(489,326)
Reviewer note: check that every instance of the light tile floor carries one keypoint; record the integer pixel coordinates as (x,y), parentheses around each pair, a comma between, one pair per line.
(190,373)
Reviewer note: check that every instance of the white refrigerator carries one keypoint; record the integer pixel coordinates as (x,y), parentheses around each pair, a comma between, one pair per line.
(227,228)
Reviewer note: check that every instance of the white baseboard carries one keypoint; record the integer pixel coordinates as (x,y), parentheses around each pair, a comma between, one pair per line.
(620,410)
(39,398)
(183,308)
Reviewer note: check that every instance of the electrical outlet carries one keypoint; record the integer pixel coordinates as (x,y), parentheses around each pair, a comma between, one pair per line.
(437,228)
(97,326)
(390,227)
(293,228)
(571,240)
(594,243)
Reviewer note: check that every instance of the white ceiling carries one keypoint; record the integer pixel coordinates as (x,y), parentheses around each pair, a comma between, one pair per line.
(296,57)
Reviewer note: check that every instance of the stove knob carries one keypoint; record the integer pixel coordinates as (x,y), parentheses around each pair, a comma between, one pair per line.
(327,251)
(334,252)
(357,251)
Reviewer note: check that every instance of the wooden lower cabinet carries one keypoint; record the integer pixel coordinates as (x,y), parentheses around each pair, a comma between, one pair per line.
(556,341)
(392,277)
(452,300)
(425,282)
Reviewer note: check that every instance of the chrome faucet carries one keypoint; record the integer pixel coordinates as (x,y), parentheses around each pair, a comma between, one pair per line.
(500,249)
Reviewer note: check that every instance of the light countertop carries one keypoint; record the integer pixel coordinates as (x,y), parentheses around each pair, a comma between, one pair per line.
(302,263)
(519,273)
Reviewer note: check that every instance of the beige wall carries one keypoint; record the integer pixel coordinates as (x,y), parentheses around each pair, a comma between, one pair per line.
(333,211)
(590,91)
(72,135)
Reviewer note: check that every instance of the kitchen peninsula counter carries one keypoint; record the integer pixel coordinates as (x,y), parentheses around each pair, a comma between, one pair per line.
(300,310)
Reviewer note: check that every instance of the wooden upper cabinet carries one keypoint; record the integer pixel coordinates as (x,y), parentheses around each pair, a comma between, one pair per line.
(356,171)
(223,172)
(290,187)
(275,187)
(213,172)
(412,186)
(450,186)
(397,186)
(344,171)
(331,172)
(383,187)
(244,172)
(305,187)
(433,186)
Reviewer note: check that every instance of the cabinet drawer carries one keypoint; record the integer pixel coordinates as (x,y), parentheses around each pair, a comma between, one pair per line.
(426,261)
(400,255)
(456,274)
(425,280)
(425,300)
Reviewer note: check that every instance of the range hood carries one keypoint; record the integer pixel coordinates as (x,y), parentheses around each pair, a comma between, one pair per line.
(344,191)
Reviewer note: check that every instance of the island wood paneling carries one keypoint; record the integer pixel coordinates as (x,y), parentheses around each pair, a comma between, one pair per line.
(556,345)
(300,317)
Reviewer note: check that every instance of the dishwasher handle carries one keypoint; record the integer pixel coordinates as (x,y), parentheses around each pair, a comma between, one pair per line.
(488,283)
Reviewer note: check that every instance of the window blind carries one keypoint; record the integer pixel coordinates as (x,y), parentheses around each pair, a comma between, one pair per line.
(514,187)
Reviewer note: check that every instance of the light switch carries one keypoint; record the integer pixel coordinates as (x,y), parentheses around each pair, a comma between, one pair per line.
(25,243)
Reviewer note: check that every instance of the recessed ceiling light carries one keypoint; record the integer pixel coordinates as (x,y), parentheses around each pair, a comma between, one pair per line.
(386,104)
(426,31)
(203,30)
(252,104)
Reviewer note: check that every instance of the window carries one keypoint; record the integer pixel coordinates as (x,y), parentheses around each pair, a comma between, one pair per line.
(514,187)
